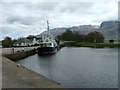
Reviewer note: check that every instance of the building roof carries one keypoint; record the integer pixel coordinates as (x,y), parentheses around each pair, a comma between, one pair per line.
(23,40)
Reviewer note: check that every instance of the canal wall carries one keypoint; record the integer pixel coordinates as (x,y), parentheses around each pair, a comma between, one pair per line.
(20,55)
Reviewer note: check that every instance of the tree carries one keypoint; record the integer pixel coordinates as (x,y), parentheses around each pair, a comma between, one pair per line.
(7,42)
(78,37)
(59,37)
(68,35)
(30,37)
(95,37)
(71,36)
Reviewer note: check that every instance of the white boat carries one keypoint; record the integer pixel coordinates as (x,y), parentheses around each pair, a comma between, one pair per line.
(48,44)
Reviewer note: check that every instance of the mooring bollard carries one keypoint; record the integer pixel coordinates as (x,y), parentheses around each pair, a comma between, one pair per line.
(13,50)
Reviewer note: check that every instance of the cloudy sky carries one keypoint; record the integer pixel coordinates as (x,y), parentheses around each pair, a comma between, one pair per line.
(29,18)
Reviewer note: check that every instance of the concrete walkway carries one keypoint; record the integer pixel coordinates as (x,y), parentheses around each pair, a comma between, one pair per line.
(15,76)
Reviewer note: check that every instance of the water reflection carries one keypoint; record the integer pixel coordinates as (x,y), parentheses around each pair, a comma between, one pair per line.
(45,63)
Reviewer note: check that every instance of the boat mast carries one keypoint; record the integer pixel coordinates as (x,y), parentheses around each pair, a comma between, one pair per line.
(48,29)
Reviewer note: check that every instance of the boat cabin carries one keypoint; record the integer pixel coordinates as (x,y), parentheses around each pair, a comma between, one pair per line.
(47,44)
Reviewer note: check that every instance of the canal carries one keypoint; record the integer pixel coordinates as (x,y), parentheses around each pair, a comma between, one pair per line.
(78,67)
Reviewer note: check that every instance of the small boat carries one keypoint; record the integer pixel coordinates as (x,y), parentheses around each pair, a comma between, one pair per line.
(62,44)
(47,44)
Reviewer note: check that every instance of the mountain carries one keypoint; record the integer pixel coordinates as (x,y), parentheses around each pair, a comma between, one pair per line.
(109,29)
(109,24)
(82,29)
(54,32)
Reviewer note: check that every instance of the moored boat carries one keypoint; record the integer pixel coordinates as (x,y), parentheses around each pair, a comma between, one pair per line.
(47,44)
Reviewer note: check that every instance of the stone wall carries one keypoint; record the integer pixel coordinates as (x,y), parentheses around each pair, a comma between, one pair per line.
(20,55)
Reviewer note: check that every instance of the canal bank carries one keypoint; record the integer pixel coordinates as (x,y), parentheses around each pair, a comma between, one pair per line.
(20,55)
(17,76)
(93,45)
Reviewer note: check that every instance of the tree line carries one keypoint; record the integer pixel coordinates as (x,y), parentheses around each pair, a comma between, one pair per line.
(92,37)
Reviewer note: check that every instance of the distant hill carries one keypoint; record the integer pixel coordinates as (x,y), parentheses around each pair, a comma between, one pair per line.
(108,28)
(82,29)
(54,32)
(109,24)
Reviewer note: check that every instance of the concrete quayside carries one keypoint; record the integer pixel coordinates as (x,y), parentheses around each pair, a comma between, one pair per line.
(17,76)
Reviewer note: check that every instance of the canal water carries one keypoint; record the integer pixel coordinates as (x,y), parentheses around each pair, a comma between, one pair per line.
(78,67)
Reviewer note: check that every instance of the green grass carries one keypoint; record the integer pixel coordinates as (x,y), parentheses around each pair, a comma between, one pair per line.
(97,44)
(85,44)
(69,41)
(79,43)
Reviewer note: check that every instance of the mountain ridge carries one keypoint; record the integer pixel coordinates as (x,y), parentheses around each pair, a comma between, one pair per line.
(109,29)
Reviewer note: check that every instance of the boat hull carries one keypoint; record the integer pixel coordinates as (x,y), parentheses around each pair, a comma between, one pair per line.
(46,50)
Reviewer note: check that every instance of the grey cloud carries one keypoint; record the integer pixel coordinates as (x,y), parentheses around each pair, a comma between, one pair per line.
(9,29)
(5,30)
(12,19)
(76,7)
(41,6)
(22,20)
